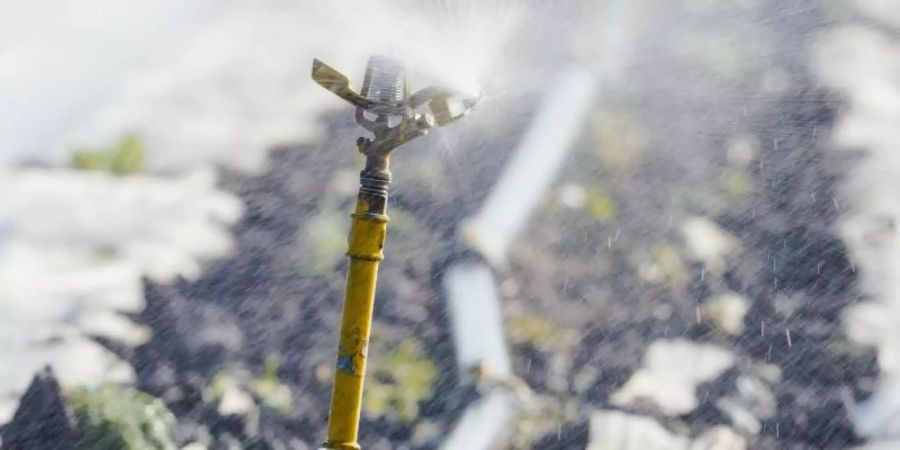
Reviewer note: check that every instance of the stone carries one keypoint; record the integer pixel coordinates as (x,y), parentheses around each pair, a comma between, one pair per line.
(727,312)
(878,417)
(670,375)
(719,438)
(708,242)
(616,430)
(866,131)
(43,420)
(740,415)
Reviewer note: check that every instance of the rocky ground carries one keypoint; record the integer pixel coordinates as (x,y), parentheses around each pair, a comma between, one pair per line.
(743,277)
(683,286)
(732,247)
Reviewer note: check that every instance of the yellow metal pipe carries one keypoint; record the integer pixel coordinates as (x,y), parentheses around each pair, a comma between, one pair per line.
(367,236)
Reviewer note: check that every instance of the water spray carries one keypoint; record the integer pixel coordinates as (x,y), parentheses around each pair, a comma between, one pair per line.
(384,109)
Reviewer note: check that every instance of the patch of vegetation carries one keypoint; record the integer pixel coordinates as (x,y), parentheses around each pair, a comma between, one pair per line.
(737,184)
(272,393)
(400,379)
(125,158)
(618,139)
(600,204)
(537,331)
(673,269)
(113,417)
(324,239)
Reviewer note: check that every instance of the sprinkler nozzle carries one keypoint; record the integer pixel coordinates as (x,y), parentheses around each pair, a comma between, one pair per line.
(384,108)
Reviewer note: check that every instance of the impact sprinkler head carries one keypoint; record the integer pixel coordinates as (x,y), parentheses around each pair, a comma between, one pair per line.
(384,108)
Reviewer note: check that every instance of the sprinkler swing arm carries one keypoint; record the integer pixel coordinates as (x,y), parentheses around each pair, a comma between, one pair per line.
(384,109)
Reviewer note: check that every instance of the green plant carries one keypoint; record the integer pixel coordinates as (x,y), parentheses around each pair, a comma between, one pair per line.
(271,392)
(533,329)
(112,417)
(600,204)
(126,157)
(401,378)
(324,240)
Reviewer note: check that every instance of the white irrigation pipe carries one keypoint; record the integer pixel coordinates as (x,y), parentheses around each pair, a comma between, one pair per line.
(477,320)
(473,302)
(533,167)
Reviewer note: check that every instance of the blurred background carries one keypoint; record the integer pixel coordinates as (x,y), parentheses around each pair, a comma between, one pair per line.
(667,225)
